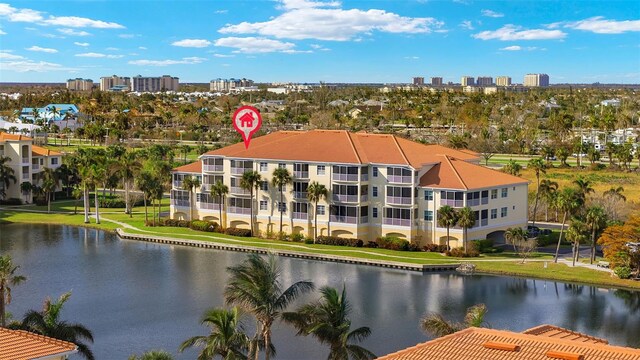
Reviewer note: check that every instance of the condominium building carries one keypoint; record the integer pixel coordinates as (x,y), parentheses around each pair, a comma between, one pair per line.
(229,85)
(484,81)
(27,161)
(154,84)
(436,81)
(79,84)
(536,80)
(467,81)
(379,185)
(418,80)
(115,83)
(503,81)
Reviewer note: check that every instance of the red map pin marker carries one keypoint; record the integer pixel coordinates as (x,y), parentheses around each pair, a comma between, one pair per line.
(246,121)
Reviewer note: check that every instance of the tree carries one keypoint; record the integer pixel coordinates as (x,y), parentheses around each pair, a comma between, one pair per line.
(436,325)
(315,193)
(596,219)
(519,239)
(612,198)
(47,322)
(146,182)
(220,190)
(251,181)
(327,320)
(563,155)
(466,219)
(7,175)
(190,184)
(128,166)
(281,178)
(8,278)
(539,166)
(49,184)
(614,240)
(512,168)
(568,201)
(255,286)
(447,217)
(547,190)
(185,151)
(577,233)
(26,187)
(153,355)
(226,339)
(584,186)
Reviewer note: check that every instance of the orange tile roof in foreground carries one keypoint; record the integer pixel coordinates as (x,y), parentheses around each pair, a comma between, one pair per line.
(23,345)
(562,333)
(488,344)
(6,136)
(40,151)
(194,167)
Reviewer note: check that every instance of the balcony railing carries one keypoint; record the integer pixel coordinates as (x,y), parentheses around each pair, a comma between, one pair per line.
(453,203)
(473,202)
(26,161)
(239,210)
(209,206)
(345,198)
(177,184)
(300,194)
(35,166)
(25,176)
(397,222)
(239,191)
(484,200)
(301,174)
(239,171)
(364,198)
(344,219)
(364,219)
(205,188)
(300,215)
(399,179)
(364,177)
(215,168)
(178,202)
(399,200)
(345,177)
(484,222)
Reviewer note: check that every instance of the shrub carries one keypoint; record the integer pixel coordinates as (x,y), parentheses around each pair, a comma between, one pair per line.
(12,201)
(372,244)
(175,223)
(200,225)
(459,252)
(394,243)
(308,241)
(623,272)
(483,246)
(238,232)
(435,248)
(338,241)
(297,237)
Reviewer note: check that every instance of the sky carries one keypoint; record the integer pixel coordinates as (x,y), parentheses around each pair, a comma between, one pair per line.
(382,41)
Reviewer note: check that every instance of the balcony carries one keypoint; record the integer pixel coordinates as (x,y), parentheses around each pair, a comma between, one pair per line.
(26,161)
(345,177)
(239,191)
(399,200)
(178,202)
(473,202)
(364,177)
(208,206)
(364,198)
(35,166)
(453,203)
(239,170)
(239,210)
(397,222)
(364,219)
(177,184)
(344,219)
(399,179)
(25,176)
(301,174)
(213,168)
(300,194)
(300,216)
(345,198)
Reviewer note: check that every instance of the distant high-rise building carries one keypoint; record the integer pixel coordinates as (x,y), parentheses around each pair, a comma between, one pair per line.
(484,81)
(436,81)
(418,80)
(80,84)
(227,85)
(154,84)
(503,81)
(114,82)
(536,80)
(467,81)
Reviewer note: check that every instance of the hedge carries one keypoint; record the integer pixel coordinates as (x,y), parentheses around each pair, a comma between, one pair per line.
(238,232)
(394,243)
(338,241)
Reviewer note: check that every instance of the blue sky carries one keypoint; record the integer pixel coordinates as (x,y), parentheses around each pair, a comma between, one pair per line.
(313,40)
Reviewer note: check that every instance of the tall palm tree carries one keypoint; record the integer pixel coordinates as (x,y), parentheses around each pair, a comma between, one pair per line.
(547,191)
(315,193)
(616,193)
(49,184)
(539,166)
(447,217)
(190,184)
(327,320)
(145,182)
(220,190)
(512,168)
(584,186)
(7,175)
(251,181)
(8,278)
(153,355)
(569,200)
(226,339)
(514,236)
(281,178)
(436,325)
(128,166)
(47,322)
(26,187)
(95,173)
(577,233)
(466,219)
(596,219)
(255,286)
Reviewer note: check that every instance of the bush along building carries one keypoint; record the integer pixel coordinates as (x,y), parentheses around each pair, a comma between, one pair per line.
(378,185)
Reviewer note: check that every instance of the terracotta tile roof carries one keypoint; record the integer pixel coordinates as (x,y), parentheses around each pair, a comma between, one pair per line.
(194,167)
(451,173)
(562,333)
(40,151)
(23,345)
(6,136)
(489,344)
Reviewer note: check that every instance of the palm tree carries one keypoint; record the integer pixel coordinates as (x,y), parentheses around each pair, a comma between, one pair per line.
(226,339)
(616,193)
(26,187)
(49,184)
(596,219)
(94,174)
(281,178)
(315,193)
(251,181)
(7,175)
(447,217)
(466,219)
(568,201)
(547,190)
(584,186)
(327,320)
(129,166)
(436,325)
(8,278)
(577,233)
(512,168)
(514,236)
(220,190)
(539,166)
(190,184)
(254,285)
(145,182)
(185,151)
(47,322)
(152,355)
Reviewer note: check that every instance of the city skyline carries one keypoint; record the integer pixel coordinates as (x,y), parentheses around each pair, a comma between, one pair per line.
(311,41)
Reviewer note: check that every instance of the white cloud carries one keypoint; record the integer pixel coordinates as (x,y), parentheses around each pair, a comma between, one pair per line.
(37,17)
(304,19)
(491,13)
(19,15)
(223,56)
(192,43)
(221,11)
(99,55)
(2,32)
(72,32)
(6,55)
(41,49)
(412,57)
(512,48)
(251,45)
(511,32)
(600,25)
(83,44)
(112,49)
(53,36)
(186,60)
(30,65)
(466,24)
(126,36)
(142,48)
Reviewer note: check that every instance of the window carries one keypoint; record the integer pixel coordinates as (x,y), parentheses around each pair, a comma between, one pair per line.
(282,166)
(54,161)
(375,171)
(300,207)
(494,193)
(282,206)
(320,210)
(428,195)
(452,198)
(505,192)
(374,212)
(485,197)
(428,215)
(494,213)
(263,167)
(263,204)
(264,185)
(321,170)
(375,191)
(503,212)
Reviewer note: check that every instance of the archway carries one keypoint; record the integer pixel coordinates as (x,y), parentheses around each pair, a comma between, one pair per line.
(397,235)
(497,237)
(341,233)
(240,224)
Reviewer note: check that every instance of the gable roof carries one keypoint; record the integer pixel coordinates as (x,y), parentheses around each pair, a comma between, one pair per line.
(481,344)
(23,345)
(6,136)
(40,151)
(562,333)
(194,167)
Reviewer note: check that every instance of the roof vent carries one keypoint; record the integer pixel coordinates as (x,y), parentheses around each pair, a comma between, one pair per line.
(554,354)
(501,346)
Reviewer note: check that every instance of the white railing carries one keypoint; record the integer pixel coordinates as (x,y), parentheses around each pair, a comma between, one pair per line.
(239,191)
(364,177)
(301,174)
(454,203)
(364,198)
(398,200)
(216,168)
(300,215)
(300,194)
(177,184)
(238,210)
(345,198)
(35,166)
(345,177)
(397,222)
(177,202)
(25,176)
(344,219)
(26,161)
(399,179)
(239,171)
(209,206)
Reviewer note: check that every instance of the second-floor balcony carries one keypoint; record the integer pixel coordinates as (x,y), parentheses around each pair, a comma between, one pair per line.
(212,168)
(300,194)
(345,198)
(344,219)
(399,200)
(397,222)
(237,190)
(344,177)
(209,206)
(399,179)
(239,210)
(452,203)
(35,166)
(180,202)
(26,161)
(364,198)
(25,176)
(240,170)
(301,174)
(300,215)
(177,184)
